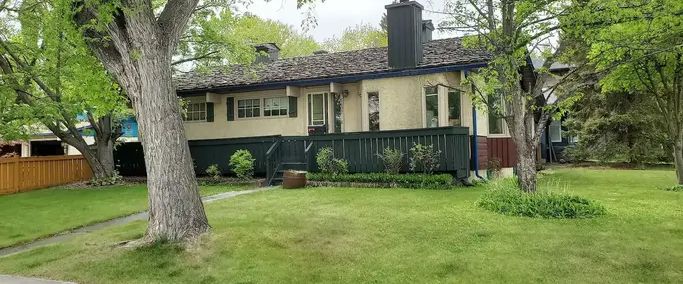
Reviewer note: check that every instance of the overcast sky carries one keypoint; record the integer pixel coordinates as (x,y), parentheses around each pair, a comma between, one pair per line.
(335,15)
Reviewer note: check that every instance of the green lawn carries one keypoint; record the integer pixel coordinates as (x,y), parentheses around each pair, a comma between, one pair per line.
(398,236)
(31,215)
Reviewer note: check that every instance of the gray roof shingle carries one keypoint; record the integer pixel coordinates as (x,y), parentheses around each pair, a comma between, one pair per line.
(437,53)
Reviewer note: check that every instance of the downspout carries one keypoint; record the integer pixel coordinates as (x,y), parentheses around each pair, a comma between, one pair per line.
(475,146)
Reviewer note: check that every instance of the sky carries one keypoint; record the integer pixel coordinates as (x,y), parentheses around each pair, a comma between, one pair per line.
(335,15)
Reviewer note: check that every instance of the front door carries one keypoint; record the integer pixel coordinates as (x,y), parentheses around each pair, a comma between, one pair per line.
(317,114)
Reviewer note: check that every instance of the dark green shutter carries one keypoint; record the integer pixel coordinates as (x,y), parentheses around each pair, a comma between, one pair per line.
(231,109)
(293,106)
(209,112)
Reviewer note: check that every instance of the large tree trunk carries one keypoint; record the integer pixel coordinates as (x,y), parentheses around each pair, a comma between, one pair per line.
(526,166)
(137,49)
(176,209)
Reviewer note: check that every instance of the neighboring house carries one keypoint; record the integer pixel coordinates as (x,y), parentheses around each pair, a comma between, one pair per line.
(358,102)
(44,143)
(555,139)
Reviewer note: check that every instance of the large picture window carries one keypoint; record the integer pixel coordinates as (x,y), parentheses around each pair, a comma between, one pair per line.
(275,106)
(248,108)
(373,111)
(195,111)
(432,106)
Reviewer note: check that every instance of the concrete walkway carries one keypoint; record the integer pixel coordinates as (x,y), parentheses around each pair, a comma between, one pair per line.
(4,279)
(63,236)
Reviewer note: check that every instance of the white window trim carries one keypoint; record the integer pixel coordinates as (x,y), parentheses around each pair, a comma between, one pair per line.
(366,106)
(556,124)
(187,112)
(237,108)
(309,109)
(263,113)
(424,105)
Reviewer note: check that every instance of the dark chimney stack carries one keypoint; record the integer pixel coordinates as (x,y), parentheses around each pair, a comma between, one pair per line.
(427,29)
(267,52)
(405,28)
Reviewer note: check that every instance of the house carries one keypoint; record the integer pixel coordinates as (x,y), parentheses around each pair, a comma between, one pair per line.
(44,143)
(357,102)
(555,139)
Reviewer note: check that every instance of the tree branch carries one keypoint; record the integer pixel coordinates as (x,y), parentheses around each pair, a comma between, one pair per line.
(173,20)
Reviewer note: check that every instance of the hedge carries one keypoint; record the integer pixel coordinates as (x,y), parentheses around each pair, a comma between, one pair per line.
(388,180)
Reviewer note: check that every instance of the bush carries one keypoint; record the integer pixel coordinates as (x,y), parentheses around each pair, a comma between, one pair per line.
(506,198)
(393,160)
(114,179)
(214,172)
(424,158)
(242,164)
(328,164)
(390,180)
(676,188)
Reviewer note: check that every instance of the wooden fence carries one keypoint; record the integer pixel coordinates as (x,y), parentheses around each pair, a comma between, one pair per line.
(26,174)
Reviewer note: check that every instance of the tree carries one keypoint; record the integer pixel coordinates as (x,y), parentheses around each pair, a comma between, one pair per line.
(217,37)
(617,127)
(639,46)
(510,30)
(358,37)
(136,43)
(45,67)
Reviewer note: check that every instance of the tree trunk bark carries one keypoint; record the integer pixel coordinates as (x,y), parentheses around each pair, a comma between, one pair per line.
(678,160)
(175,206)
(526,166)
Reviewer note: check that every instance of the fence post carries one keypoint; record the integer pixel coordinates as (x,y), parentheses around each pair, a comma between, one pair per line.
(17,172)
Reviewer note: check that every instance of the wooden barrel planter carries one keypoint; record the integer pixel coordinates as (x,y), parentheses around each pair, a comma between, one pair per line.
(294,179)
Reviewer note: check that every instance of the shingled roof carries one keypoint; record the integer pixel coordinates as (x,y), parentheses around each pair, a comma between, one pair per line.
(437,53)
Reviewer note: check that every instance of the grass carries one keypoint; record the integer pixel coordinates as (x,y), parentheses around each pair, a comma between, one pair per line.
(36,214)
(398,236)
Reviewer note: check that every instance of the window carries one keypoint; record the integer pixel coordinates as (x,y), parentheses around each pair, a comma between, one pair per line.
(275,106)
(248,108)
(432,106)
(496,125)
(454,118)
(195,111)
(373,111)
(555,130)
(338,113)
(316,109)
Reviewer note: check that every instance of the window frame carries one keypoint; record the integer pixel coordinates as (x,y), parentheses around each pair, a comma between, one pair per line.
(558,128)
(202,111)
(281,99)
(433,94)
(370,113)
(448,99)
(257,114)
(311,107)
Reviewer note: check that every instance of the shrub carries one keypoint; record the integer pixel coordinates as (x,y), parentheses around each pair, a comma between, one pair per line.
(242,164)
(393,160)
(214,172)
(424,158)
(390,180)
(506,198)
(114,179)
(328,164)
(676,188)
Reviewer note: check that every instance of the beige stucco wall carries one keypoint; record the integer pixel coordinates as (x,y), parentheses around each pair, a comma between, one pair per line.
(401,99)
(247,127)
(402,106)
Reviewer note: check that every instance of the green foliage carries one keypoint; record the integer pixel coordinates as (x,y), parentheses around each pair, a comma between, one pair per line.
(393,180)
(114,179)
(358,37)
(676,188)
(328,164)
(617,127)
(218,37)
(242,164)
(505,197)
(494,166)
(424,158)
(393,160)
(214,172)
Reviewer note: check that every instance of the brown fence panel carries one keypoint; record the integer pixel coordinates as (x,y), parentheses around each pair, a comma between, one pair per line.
(26,174)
